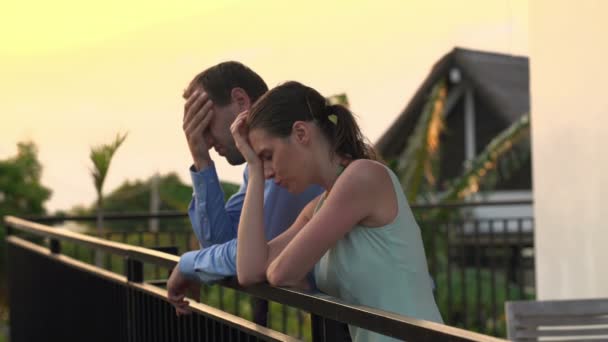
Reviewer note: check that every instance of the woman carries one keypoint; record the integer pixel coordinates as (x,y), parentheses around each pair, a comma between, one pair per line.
(359,236)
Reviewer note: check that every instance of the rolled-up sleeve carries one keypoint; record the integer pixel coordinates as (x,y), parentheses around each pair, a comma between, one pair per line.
(213,221)
(210,264)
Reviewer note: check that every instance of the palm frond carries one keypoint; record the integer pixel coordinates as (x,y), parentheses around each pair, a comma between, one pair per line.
(101,156)
(338,99)
(506,150)
(415,164)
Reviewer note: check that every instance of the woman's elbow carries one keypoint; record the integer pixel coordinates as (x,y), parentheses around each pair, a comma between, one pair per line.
(276,277)
(249,278)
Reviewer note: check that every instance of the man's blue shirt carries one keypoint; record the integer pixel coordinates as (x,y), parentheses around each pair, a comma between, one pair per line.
(215,223)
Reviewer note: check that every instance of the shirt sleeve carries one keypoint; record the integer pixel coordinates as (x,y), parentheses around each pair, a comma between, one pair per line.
(213,221)
(210,264)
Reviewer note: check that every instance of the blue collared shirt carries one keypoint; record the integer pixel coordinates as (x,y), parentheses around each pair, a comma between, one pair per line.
(215,223)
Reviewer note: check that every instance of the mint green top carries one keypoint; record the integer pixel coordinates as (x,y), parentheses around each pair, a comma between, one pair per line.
(381,267)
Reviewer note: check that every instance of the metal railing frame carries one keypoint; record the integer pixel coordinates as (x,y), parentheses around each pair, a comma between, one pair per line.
(328,309)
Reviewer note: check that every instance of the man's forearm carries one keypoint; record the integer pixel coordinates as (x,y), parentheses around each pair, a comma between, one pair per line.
(213,221)
(210,264)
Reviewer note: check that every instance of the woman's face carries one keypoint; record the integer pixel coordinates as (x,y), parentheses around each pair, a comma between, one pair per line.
(284,159)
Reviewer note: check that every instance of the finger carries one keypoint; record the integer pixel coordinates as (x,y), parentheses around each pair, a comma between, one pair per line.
(194,104)
(182,305)
(199,128)
(182,312)
(193,96)
(238,122)
(244,114)
(234,129)
(200,120)
(190,89)
(176,298)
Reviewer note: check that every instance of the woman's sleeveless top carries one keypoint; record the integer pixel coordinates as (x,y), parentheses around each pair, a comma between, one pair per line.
(381,267)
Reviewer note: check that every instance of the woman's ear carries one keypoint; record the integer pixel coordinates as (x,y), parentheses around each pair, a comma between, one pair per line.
(239,97)
(301,132)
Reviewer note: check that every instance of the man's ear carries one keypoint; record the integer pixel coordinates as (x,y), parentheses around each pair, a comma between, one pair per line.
(300,131)
(239,97)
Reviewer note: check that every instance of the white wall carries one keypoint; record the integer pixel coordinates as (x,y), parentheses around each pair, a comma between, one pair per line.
(569,92)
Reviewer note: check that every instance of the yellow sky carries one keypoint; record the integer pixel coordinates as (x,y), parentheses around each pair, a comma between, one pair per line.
(74,73)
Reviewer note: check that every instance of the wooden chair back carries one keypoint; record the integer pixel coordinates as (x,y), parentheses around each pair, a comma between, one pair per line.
(558,320)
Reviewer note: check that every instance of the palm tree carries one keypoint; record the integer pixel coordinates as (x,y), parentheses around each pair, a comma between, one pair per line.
(508,149)
(417,164)
(101,156)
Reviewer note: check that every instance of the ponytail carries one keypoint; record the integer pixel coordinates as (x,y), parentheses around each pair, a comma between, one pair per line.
(278,109)
(348,141)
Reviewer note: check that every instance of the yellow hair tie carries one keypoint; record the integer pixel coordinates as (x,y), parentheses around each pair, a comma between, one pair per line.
(333,118)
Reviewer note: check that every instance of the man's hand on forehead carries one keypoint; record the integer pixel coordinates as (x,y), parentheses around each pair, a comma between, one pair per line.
(192,87)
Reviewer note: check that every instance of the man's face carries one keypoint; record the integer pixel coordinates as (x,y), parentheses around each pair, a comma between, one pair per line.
(218,136)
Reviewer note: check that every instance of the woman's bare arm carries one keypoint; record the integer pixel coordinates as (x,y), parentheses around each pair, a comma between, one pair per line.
(358,194)
(254,253)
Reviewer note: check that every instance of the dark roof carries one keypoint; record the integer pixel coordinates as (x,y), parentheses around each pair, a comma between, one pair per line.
(500,81)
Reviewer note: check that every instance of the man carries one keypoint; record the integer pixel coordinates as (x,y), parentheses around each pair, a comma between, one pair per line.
(213,100)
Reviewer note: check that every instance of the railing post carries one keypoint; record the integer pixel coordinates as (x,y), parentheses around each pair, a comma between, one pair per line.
(135,270)
(135,273)
(324,329)
(9,229)
(55,246)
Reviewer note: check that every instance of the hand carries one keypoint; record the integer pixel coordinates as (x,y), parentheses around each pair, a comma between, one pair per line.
(239,133)
(198,112)
(177,287)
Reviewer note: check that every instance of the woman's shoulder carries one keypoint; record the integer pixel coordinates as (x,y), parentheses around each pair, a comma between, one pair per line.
(367,171)
(367,175)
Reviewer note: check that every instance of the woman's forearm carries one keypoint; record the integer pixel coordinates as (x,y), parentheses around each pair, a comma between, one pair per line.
(252,247)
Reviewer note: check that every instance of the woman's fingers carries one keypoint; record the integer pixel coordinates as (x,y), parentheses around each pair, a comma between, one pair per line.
(235,128)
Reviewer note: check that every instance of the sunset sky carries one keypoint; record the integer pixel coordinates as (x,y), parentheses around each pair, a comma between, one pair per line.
(75,73)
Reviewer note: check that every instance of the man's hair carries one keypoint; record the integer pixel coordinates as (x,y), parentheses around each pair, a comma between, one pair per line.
(219,80)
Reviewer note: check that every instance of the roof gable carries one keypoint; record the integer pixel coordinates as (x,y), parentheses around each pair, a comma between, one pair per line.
(500,81)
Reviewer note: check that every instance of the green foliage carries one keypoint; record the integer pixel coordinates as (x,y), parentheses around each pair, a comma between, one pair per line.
(464,305)
(415,165)
(134,196)
(101,156)
(21,193)
(20,189)
(505,154)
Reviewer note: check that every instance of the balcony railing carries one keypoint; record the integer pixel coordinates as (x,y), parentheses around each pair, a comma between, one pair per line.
(57,297)
(480,255)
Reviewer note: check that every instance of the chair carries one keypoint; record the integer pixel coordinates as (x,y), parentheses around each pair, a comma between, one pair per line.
(558,320)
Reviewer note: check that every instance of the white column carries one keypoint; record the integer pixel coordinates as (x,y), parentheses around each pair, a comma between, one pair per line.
(469,126)
(569,95)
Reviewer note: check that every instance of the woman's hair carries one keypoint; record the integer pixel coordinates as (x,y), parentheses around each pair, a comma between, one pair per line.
(277,110)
